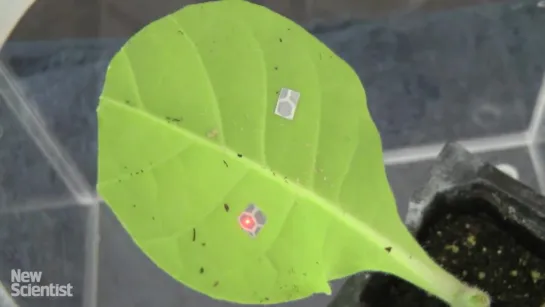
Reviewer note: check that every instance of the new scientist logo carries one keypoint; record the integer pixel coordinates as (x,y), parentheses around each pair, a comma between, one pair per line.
(28,284)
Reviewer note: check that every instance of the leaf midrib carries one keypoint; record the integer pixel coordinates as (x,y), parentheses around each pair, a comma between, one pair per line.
(298,190)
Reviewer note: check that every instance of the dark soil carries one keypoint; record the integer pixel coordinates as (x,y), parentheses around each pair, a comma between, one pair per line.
(479,248)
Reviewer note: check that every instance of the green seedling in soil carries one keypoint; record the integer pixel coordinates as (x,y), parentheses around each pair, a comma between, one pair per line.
(238,152)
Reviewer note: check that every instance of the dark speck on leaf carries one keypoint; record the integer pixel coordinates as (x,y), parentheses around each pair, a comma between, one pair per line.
(280,39)
(276,68)
(239,155)
(388,249)
(134,206)
(201,270)
(216,283)
(289,29)
(194,234)
(173,119)
(153,218)
(226,165)
(127,101)
(226,207)
(181,32)
(203,244)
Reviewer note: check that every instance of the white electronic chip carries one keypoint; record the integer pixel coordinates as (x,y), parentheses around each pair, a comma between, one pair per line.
(286,104)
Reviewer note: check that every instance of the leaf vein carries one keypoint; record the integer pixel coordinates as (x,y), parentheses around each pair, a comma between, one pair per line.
(133,77)
(217,109)
(348,165)
(312,177)
(266,90)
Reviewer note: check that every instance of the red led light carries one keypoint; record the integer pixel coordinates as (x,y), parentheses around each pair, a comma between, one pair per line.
(247,222)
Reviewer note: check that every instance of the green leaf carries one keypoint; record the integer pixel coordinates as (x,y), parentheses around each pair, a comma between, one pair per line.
(189,139)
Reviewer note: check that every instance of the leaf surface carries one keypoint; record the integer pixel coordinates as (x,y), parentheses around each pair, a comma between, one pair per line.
(189,139)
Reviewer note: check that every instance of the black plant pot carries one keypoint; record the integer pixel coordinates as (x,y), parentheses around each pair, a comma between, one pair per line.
(479,224)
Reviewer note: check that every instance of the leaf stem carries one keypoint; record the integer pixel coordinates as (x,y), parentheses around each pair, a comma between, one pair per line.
(456,293)
(471,297)
(434,279)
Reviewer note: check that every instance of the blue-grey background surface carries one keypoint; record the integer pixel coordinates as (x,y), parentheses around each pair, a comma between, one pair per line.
(429,78)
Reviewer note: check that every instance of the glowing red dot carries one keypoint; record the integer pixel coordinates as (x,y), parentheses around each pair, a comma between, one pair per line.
(247,222)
